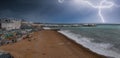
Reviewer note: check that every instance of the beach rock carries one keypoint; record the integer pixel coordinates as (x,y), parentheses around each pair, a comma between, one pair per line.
(6,55)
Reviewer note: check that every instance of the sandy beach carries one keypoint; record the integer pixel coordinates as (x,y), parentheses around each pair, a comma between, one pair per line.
(48,44)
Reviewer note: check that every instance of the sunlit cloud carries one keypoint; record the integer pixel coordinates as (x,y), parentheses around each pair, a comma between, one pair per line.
(60,1)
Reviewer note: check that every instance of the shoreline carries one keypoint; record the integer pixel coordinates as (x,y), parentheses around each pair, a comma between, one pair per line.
(49,44)
(81,46)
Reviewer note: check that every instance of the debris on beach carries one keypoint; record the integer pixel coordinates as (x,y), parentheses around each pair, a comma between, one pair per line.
(13,36)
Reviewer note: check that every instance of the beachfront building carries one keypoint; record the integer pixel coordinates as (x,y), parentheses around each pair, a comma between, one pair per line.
(9,24)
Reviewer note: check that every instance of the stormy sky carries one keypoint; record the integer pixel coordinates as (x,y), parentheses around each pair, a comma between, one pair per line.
(58,11)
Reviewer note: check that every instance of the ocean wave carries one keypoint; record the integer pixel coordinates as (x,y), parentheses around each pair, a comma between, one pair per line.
(99,48)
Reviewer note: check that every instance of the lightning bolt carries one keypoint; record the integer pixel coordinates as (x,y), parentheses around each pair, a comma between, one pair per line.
(102,5)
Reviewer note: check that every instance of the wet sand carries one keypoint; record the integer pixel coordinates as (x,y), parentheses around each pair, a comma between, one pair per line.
(48,44)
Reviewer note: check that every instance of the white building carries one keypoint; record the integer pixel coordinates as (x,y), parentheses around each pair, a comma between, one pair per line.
(9,24)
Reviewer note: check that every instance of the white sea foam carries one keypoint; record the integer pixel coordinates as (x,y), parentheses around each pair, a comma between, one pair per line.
(100,48)
(46,28)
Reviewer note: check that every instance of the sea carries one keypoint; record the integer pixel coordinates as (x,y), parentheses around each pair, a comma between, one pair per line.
(102,39)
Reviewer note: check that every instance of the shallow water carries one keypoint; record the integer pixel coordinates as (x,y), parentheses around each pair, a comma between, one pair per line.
(102,39)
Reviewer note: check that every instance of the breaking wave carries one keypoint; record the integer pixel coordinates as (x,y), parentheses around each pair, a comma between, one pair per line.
(99,48)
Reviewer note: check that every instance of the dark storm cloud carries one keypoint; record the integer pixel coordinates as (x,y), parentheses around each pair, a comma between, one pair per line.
(25,8)
(13,7)
(38,10)
(50,11)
